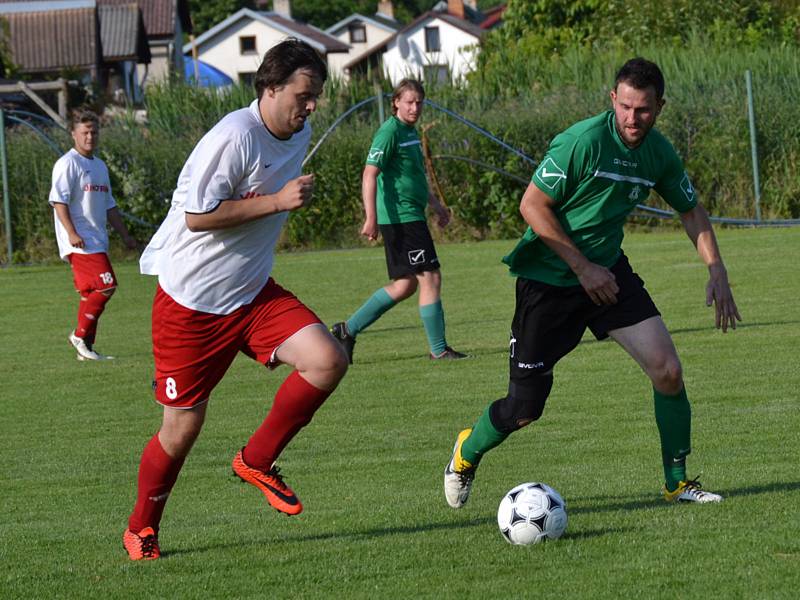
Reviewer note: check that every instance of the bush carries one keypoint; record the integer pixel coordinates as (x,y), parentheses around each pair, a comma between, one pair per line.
(705,118)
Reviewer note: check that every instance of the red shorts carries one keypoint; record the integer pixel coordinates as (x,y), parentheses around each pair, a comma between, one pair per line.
(92,272)
(193,349)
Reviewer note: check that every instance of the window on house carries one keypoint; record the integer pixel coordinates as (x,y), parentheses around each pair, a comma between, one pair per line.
(432,43)
(247,78)
(358,33)
(247,44)
(436,74)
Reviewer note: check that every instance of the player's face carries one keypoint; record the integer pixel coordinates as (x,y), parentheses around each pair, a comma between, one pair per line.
(409,107)
(635,112)
(85,136)
(286,108)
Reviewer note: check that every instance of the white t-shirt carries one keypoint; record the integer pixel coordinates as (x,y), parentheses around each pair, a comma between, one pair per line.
(83,184)
(219,271)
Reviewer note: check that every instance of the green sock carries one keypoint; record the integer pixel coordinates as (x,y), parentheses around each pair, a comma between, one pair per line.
(433,319)
(674,420)
(483,438)
(370,311)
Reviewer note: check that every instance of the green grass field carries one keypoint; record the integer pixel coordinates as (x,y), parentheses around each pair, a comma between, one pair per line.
(369,467)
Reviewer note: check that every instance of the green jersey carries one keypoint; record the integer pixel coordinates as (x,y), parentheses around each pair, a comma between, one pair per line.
(402,186)
(596,181)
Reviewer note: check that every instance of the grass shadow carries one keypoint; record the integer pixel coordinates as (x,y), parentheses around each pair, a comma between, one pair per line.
(616,503)
(351,535)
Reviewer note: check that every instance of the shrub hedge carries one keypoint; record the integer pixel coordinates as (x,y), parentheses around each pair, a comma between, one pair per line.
(705,117)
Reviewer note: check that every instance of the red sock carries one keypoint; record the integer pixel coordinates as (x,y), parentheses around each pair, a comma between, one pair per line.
(157,474)
(90,308)
(294,405)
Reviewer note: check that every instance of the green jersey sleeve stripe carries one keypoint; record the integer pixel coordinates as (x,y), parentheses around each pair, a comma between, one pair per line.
(618,177)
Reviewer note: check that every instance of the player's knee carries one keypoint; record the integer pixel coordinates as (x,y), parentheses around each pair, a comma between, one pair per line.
(332,363)
(523,405)
(668,377)
(339,363)
(403,288)
(431,279)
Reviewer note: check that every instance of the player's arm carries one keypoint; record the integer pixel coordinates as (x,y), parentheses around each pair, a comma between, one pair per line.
(115,219)
(62,213)
(718,290)
(537,208)
(369,191)
(230,213)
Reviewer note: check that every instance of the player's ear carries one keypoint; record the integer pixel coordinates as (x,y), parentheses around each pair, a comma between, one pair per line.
(613,95)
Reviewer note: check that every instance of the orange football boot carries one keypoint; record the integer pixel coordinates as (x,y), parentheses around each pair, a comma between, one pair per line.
(278,494)
(141,546)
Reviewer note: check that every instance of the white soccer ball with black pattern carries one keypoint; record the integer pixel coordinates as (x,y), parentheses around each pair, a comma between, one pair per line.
(531,513)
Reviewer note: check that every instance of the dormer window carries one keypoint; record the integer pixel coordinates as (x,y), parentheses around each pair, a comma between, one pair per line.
(247,44)
(358,33)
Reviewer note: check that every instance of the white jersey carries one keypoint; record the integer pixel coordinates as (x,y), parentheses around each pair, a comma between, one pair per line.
(82,184)
(219,271)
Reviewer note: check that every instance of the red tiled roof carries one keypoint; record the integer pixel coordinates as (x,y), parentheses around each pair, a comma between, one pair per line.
(493,16)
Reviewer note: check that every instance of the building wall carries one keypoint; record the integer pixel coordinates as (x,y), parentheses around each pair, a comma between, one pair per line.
(406,55)
(337,60)
(158,69)
(223,51)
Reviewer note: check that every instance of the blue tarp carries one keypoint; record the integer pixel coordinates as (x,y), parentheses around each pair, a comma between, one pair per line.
(208,76)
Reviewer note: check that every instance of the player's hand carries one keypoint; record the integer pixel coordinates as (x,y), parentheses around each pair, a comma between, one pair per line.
(718,293)
(370,230)
(296,193)
(76,241)
(442,216)
(600,283)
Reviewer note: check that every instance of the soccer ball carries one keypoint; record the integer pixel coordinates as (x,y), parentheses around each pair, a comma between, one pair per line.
(531,513)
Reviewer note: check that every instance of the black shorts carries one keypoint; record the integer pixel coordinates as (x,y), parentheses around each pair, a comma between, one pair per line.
(549,321)
(409,249)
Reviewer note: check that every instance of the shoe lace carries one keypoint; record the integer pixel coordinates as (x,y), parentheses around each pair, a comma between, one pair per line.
(275,473)
(465,476)
(693,486)
(149,545)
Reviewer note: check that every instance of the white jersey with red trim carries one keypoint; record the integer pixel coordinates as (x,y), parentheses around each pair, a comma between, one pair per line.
(82,184)
(219,271)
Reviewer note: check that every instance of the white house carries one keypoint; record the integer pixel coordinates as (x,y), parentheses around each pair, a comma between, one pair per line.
(438,45)
(364,36)
(237,45)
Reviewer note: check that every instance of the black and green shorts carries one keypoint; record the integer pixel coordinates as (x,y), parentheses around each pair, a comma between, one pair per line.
(549,321)
(409,249)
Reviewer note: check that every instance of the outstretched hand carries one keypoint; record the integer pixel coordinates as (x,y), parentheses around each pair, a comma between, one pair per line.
(718,293)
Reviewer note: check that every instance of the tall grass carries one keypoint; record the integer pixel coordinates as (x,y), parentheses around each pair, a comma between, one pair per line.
(521,102)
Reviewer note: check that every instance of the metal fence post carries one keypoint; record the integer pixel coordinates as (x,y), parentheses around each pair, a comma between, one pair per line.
(379,95)
(6,200)
(751,115)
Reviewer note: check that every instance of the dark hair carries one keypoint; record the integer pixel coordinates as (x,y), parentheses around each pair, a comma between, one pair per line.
(83,115)
(406,84)
(640,74)
(282,60)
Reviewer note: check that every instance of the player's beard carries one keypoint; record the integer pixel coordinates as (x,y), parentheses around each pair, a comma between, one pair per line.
(643,129)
